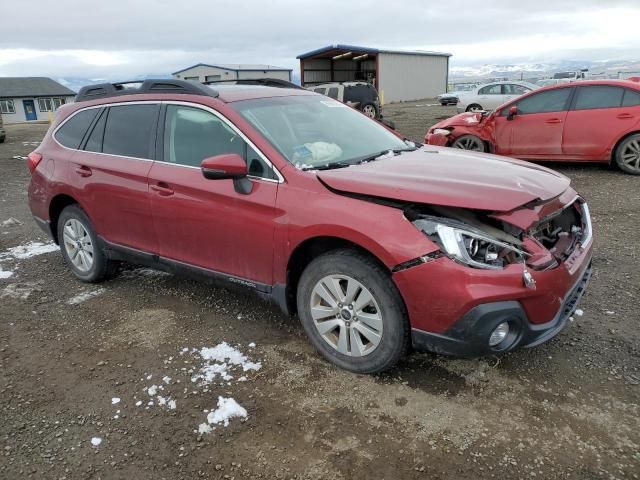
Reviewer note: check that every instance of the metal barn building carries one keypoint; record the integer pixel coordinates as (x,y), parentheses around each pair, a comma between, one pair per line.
(203,72)
(398,75)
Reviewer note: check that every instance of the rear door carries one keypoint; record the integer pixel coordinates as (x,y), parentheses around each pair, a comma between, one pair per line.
(207,223)
(536,131)
(596,120)
(110,173)
(490,97)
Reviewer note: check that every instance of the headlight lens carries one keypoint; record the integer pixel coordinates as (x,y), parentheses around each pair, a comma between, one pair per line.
(441,131)
(470,247)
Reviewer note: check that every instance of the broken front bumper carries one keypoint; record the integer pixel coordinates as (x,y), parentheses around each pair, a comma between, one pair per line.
(453,308)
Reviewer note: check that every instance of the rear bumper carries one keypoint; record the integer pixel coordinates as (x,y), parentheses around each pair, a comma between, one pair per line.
(468,337)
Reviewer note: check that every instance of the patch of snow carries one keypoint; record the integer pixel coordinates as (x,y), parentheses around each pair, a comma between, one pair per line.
(10,221)
(227,409)
(96,441)
(152,390)
(224,351)
(30,249)
(172,404)
(20,291)
(219,360)
(138,403)
(84,296)
(166,379)
(204,428)
(115,400)
(4,274)
(579,312)
(252,345)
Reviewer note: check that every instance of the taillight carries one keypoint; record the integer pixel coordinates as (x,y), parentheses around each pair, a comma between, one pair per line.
(33,159)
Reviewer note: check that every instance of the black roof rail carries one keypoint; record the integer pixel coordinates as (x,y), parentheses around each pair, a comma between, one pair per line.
(106,90)
(267,82)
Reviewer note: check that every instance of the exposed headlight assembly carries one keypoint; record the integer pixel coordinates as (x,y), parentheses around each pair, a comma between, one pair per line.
(469,246)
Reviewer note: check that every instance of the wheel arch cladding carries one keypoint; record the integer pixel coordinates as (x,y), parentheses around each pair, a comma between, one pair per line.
(310,249)
(58,203)
(614,150)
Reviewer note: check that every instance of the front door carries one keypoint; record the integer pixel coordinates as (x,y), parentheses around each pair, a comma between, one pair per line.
(207,223)
(536,131)
(29,110)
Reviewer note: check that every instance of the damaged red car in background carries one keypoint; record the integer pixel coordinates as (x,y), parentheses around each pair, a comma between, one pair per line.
(590,121)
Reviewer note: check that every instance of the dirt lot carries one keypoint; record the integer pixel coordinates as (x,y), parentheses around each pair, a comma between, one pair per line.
(567,409)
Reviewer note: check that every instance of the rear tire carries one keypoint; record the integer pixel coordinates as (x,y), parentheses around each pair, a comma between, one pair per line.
(474,107)
(627,155)
(363,327)
(80,247)
(470,142)
(370,110)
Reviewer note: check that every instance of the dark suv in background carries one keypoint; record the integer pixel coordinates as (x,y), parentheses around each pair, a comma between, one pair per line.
(360,95)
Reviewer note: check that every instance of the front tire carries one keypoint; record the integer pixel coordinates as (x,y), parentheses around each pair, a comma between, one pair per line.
(474,107)
(470,142)
(627,155)
(352,312)
(80,248)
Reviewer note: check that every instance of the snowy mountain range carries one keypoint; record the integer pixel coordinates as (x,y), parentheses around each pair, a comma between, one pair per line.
(609,68)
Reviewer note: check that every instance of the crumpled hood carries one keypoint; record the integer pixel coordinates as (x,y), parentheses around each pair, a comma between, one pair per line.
(462,119)
(451,177)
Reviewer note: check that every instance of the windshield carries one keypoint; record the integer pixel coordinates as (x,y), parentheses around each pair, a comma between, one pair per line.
(313,131)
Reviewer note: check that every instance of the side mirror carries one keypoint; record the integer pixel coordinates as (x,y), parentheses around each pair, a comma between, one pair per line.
(513,111)
(228,166)
(220,167)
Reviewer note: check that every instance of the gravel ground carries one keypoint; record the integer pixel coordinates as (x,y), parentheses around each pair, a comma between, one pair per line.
(567,409)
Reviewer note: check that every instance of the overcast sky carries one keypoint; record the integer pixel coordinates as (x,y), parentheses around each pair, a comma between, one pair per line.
(120,39)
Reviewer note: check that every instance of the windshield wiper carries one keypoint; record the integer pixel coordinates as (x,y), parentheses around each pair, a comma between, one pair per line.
(328,166)
(376,156)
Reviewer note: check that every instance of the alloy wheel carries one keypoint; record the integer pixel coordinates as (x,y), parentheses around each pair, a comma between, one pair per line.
(630,156)
(469,142)
(346,315)
(369,111)
(78,245)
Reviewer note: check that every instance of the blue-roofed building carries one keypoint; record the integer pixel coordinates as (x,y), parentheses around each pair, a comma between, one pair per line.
(399,75)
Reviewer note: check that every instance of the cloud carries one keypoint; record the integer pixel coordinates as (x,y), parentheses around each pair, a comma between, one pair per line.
(118,39)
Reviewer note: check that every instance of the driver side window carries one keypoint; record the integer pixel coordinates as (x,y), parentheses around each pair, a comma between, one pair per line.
(192,134)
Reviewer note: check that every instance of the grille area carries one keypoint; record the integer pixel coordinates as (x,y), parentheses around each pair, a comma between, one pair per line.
(560,232)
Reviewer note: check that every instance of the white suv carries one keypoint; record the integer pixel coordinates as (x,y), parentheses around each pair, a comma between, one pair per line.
(360,95)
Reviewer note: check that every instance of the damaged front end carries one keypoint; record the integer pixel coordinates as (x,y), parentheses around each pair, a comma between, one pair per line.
(485,240)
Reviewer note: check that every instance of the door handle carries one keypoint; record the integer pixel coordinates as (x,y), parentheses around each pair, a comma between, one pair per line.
(624,116)
(554,120)
(162,188)
(84,171)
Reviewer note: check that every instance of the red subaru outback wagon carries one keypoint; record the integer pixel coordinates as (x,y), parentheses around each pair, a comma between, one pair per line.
(378,244)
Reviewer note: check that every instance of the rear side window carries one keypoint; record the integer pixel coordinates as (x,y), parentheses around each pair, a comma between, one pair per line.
(598,96)
(72,131)
(490,90)
(319,90)
(94,142)
(631,98)
(333,92)
(549,101)
(513,89)
(129,129)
